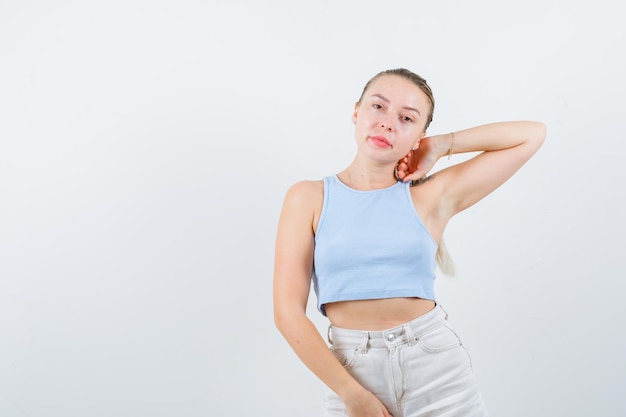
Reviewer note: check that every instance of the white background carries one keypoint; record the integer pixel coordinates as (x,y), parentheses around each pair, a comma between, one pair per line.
(146,146)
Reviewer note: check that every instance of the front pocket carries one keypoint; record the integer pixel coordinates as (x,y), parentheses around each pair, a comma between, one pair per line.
(346,357)
(439,340)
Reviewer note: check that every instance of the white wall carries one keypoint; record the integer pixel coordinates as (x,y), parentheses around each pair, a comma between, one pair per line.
(145,148)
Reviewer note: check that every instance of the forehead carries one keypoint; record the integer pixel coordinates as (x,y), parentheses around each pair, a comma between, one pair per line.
(398,90)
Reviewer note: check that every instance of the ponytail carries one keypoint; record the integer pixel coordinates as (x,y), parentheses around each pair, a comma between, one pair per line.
(444,260)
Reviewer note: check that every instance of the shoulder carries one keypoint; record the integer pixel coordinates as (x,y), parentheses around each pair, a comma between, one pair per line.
(306,189)
(427,198)
(428,188)
(305,194)
(303,205)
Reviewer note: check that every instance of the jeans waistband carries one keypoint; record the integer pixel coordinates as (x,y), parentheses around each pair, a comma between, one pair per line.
(404,333)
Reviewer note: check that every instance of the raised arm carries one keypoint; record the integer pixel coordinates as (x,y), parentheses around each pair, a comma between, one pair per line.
(292,281)
(504,147)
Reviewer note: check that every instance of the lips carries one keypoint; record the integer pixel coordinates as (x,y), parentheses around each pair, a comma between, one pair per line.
(380,141)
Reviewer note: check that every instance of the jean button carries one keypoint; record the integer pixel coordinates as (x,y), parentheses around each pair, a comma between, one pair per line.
(390,337)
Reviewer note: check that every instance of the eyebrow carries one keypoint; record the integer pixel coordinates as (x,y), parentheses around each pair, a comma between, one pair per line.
(386,100)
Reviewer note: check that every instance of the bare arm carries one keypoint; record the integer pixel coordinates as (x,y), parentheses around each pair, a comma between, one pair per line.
(292,280)
(504,147)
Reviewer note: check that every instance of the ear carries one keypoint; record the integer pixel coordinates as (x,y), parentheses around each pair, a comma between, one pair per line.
(418,141)
(355,114)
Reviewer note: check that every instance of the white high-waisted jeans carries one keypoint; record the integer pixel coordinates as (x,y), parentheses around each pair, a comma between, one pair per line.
(418,369)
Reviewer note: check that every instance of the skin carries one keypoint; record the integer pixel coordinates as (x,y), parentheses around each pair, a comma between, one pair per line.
(389,122)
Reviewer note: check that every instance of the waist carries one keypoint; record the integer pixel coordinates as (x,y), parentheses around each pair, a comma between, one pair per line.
(377,314)
(403,333)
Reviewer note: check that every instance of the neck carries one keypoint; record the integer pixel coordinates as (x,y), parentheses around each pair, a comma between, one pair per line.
(365,178)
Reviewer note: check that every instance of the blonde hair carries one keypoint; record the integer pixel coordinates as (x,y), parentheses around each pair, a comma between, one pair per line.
(444,260)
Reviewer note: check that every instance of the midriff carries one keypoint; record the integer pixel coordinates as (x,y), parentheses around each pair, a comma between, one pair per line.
(378,314)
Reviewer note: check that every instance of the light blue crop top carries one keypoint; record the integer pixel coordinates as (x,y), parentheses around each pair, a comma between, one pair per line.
(370,245)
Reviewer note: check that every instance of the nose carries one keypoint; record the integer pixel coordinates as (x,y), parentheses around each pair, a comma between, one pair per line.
(386,123)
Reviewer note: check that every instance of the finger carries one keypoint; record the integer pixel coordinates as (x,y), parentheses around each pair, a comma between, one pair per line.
(414,176)
(406,158)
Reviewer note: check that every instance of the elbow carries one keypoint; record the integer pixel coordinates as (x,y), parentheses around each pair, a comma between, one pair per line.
(536,134)
(540,132)
(281,319)
(288,317)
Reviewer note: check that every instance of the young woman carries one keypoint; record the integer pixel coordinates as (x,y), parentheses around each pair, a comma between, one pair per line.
(368,239)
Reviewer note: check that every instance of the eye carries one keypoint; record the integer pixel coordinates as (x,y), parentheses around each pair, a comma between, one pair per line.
(377,106)
(407,119)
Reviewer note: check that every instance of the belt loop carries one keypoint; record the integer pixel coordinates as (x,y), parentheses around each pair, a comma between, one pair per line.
(409,333)
(329,334)
(364,341)
(444,310)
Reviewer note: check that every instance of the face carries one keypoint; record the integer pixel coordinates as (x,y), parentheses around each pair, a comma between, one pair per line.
(391,117)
